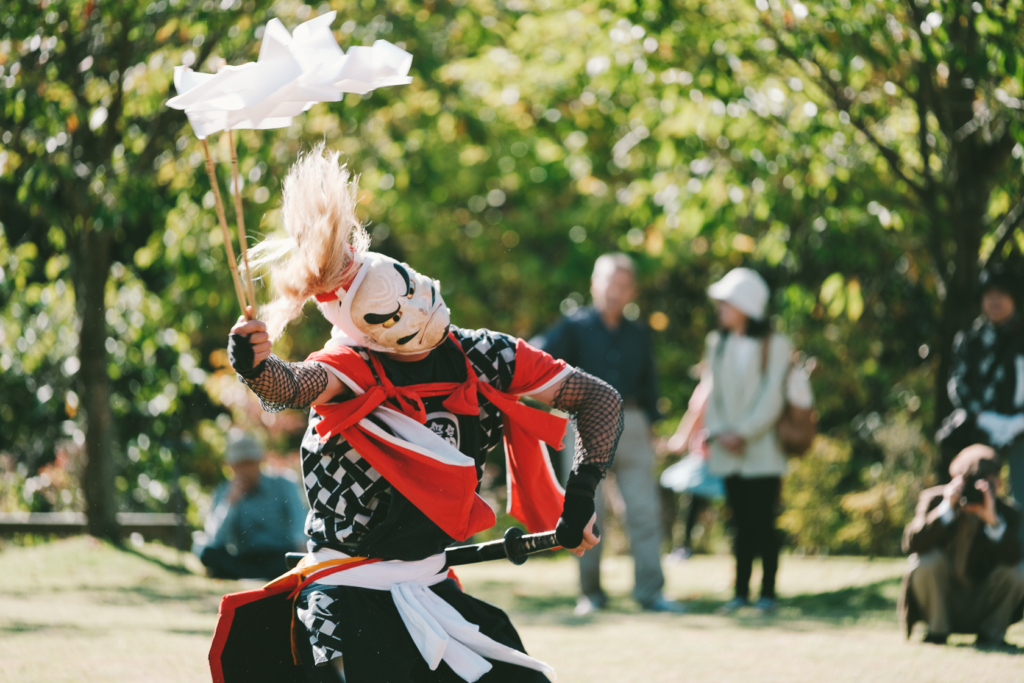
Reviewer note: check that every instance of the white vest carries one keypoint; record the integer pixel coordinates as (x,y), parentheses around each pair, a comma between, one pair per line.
(748,400)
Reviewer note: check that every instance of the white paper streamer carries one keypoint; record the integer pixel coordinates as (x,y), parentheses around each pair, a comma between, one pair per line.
(293,72)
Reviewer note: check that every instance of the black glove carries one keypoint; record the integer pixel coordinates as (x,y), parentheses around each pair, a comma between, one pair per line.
(579,505)
(241,356)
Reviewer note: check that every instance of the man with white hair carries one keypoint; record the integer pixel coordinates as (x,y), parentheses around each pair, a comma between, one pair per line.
(256,518)
(606,344)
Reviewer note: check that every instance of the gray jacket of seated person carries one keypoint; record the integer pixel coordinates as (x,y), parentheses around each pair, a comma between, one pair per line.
(972,553)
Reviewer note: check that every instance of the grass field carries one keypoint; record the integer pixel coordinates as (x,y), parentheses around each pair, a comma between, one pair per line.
(77,610)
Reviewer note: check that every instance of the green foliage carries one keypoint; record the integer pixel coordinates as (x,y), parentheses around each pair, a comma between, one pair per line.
(34,350)
(807,141)
(812,518)
(887,500)
(836,502)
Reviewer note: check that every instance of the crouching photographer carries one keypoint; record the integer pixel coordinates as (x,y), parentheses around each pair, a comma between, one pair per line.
(964,575)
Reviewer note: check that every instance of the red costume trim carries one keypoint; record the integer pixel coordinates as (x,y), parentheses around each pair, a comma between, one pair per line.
(291,583)
(446,492)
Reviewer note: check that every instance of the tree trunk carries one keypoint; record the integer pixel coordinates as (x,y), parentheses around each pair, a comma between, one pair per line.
(961,304)
(91,273)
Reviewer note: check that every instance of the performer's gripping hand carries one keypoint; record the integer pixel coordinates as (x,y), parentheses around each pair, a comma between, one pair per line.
(575,528)
(588,540)
(248,345)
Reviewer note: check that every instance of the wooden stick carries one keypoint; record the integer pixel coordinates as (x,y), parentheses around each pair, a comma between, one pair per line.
(224,228)
(240,220)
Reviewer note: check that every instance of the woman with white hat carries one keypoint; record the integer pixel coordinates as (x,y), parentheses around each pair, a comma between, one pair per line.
(747,365)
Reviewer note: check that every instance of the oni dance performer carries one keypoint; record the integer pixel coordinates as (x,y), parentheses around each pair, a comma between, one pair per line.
(405,406)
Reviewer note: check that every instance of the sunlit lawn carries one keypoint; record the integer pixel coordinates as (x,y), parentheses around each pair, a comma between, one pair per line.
(77,610)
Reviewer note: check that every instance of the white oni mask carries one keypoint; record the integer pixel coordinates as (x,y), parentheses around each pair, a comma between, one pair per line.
(389,307)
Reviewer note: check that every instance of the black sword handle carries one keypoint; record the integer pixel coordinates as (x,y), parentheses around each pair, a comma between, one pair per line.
(519,546)
(516,547)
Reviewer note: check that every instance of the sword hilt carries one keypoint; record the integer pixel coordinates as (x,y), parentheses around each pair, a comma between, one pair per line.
(516,547)
(519,546)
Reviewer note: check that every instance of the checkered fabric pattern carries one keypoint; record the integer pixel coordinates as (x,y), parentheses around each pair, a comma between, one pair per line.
(345,494)
(316,616)
(987,368)
(493,357)
(347,497)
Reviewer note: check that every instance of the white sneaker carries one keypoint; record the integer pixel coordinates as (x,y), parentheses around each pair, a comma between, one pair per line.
(586,605)
(681,554)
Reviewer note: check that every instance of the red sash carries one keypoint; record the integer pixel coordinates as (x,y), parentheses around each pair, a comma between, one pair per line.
(444,491)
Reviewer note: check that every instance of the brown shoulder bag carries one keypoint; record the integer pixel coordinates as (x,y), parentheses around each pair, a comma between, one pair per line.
(797,427)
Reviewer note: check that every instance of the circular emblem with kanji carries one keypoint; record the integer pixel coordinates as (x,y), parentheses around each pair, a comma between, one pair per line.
(445,425)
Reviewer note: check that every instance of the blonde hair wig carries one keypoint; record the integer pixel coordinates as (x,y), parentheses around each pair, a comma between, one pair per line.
(324,234)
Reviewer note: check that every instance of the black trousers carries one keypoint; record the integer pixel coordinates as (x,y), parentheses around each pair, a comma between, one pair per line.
(379,648)
(754,503)
(693,511)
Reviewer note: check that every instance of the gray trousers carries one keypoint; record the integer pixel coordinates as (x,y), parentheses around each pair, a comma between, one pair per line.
(948,607)
(634,477)
(1014,454)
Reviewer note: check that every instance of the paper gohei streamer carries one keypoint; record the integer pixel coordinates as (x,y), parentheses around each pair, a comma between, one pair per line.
(292,73)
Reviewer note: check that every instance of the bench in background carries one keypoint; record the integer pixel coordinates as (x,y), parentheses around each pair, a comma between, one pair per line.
(167,527)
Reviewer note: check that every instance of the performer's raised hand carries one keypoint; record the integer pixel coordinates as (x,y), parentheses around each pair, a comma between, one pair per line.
(278,384)
(248,345)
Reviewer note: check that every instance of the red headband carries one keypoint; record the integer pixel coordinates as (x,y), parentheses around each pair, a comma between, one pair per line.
(329,296)
(346,280)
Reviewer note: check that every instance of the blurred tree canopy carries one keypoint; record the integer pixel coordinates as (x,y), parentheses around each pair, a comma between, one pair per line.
(861,155)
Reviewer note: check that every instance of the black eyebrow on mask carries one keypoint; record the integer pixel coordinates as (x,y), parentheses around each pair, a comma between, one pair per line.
(378,318)
(405,276)
(405,340)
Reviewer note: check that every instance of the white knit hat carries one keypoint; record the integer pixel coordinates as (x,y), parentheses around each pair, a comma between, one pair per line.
(744,289)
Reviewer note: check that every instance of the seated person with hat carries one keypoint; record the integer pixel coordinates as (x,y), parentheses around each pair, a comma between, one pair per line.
(256,518)
(964,575)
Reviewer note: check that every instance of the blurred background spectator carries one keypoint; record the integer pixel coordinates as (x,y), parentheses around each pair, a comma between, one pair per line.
(746,366)
(256,518)
(690,476)
(986,380)
(964,574)
(602,341)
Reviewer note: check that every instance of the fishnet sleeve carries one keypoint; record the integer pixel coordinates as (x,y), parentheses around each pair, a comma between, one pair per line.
(596,410)
(283,385)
